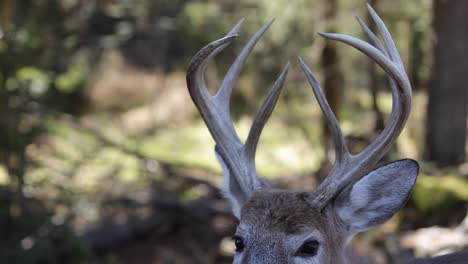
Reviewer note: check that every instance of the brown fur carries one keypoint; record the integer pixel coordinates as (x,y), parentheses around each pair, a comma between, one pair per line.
(285,212)
(281,212)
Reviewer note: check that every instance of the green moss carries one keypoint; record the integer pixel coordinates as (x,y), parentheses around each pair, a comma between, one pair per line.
(435,193)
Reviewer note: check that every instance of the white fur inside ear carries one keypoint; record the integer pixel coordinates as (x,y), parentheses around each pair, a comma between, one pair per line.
(377,196)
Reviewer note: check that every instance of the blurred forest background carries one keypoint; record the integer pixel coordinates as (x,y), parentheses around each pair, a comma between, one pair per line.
(104,159)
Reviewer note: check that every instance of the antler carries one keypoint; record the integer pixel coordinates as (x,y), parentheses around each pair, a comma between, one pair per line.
(239,158)
(349,168)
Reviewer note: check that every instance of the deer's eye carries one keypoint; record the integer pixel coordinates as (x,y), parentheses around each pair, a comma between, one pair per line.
(239,242)
(309,248)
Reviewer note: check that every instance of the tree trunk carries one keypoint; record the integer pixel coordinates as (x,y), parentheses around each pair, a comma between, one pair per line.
(6,12)
(333,83)
(447,107)
(416,55)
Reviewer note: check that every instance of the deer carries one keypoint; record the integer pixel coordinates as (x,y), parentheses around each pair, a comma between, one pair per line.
(303,226)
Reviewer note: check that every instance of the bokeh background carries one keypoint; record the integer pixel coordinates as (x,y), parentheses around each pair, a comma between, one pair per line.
(104,159)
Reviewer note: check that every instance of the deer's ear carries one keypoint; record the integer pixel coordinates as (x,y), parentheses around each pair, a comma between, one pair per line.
(232,189)
(376,197)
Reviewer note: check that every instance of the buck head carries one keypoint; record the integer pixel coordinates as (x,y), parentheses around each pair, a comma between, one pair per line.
(282,226)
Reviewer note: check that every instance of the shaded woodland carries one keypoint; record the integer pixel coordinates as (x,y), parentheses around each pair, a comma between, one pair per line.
(104,159)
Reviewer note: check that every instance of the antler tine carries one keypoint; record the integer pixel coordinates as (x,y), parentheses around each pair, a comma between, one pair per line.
(354,168)
(236,28)
(215,111)
(263,114)
(376,42)
(199,93)
(233,32)
(372,37)
(388,40)
(341,149)
(224,93)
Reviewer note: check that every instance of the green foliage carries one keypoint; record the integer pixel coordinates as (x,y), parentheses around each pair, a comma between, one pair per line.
(74,77)
(433,194)
(34,79)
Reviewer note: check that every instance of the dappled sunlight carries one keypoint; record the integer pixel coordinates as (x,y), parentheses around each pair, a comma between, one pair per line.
(191,145)
(104,157)
(4,177)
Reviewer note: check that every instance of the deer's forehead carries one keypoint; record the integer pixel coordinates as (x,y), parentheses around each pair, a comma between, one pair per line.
(282,212)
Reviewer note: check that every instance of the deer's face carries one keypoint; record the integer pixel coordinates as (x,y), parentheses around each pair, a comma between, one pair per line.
(283,227)
(288,227)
